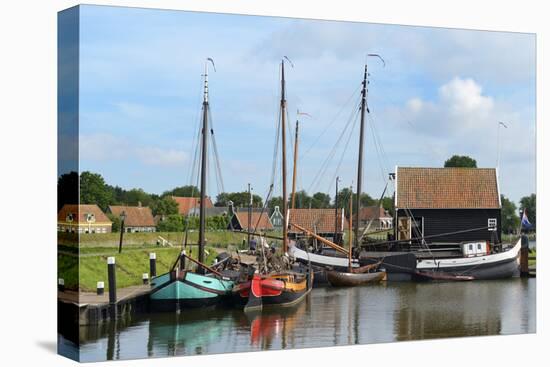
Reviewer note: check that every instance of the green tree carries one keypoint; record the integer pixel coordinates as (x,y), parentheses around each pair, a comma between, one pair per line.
(171,223)
(165,206)
(238,199)
(387,203)
(184,191)
(303,200)
(344,196)
(509,215)
(116,222)
(93,190)
(275,201)
(530,203)
(461,161)
(320,200)
(67,189)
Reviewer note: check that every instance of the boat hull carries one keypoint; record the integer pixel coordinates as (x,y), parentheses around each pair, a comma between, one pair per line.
(177,290)
(494,266)
(319,263)
(345,279)
(403,266)
(272,291)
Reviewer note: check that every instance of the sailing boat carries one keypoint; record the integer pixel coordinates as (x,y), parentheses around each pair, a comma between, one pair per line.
(180,288)
(411,264)
(333,263)
(275,288)
(367,274)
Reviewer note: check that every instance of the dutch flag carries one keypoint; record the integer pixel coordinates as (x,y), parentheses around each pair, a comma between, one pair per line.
(525,221)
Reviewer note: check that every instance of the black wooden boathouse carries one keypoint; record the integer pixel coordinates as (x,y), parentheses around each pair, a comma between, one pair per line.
(447,205)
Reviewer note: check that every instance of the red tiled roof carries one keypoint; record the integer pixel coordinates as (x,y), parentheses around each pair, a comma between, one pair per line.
(80,214)
(316,220)
(136,216)
(259,223)
(447,188)
(373,212)
(187,203)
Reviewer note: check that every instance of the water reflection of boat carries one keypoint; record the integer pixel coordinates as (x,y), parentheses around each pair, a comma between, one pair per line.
(268,326)
(189,333)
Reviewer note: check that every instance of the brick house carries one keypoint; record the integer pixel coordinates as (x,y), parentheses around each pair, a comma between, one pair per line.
(138,218)
(84,218)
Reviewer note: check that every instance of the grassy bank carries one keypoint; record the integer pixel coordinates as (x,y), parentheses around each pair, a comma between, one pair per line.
(82,259)
(130,265)
(105,240)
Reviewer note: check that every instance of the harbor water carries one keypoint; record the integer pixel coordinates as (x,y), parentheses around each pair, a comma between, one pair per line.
(329,316)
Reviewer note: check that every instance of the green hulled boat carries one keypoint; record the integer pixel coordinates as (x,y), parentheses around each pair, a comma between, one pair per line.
(181,288)
(184,289)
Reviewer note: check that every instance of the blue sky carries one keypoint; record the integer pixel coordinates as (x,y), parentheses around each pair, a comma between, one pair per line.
(442,92)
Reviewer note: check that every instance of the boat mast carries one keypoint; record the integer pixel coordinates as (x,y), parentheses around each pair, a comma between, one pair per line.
(350,229)
(336,210)
(204,161)
(295,167)
(249,214)
(283,165)
(360,161)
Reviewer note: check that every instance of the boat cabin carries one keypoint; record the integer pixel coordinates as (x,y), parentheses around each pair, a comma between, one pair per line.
(447,205)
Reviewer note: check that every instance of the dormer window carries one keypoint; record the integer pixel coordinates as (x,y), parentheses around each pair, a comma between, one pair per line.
(69,218)
(90,217)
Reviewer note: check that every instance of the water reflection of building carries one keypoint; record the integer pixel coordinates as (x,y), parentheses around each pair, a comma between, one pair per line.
(438,310)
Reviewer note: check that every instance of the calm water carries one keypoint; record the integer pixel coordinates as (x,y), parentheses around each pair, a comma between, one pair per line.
(328,317)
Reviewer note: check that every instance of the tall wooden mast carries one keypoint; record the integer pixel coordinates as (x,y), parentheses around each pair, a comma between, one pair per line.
(204,161)
(295,167)
(283,165)
(360,160)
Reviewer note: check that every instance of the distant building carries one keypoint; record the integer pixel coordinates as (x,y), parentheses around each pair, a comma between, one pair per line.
(378,217)
(186,204)
(138,218)
(448,205)
(85,218)
(326,223)
(259,221)
(277,218)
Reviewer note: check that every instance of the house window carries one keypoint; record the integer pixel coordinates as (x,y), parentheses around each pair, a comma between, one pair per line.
(492,224)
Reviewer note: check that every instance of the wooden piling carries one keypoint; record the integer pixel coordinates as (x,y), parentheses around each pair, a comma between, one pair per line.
(61,284)
(153,264)
(100,289)
(111,268)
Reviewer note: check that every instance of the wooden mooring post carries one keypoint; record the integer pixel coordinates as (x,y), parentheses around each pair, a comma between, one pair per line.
(524,269)
(111,269)
(153,264)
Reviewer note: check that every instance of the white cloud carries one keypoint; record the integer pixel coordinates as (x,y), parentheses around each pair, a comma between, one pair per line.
(107,147)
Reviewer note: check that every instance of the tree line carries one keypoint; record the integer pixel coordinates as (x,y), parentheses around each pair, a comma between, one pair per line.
(94,190)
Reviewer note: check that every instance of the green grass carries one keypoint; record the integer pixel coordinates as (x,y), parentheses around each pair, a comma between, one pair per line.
(533,254)
(95,248)
(130,265)
(214,238)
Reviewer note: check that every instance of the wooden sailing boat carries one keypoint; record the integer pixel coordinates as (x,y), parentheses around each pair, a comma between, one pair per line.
(358,276)
(337,265)
(276,288)
(180,288)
